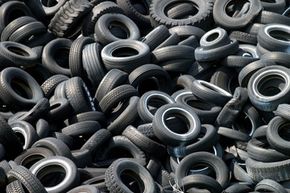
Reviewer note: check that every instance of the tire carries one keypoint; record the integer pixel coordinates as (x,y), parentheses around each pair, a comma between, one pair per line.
(85,129)
(141,18)
(277,171)
(216,163)
(99,9)
(244,37)
(155,98)
(172,40)
(8,9)
(62,165)
(202,182)
(97,140)
(59,46)
(89,116)
(200,19)
(78,95)
(104,25)
(127,117)
(84,188)
(15,187)
(26,178)
(64,22)
(274,41)
(254,28)
(223,19)
(173,136)
(120,93)
(92,64)
(186,31)
(270,185)
(17,54)
(14,25)
(154,38)
(267,17)
(27,131)
(129,62)
(51,83)
(60,109)
(277,6)
(32,90)
(257,93)
(274,137)
(165,53)
(209,92)
(145,143)
(115,184)
(32,155)
(140,75)
(215,38)
(282,111)
(111,80)
(9,140)
(223,77)
(75,55)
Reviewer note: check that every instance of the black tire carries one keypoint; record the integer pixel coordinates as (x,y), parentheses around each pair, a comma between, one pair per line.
(209,92)
(274,137)
(214,38)
(62,165)
(31,91)
(156,37)
(51,83)
(244,37)
(84,188)
(200,19)
(105,24)
(75,55)
(92,64)
(78,95)
(233,134)
(88,116)
(282,111)
(116,185)
(17,54)
(228,22)
(144,73)
(145,143)
(223,77)
(257,89)
(270,185)
(271,37)
(99,9)
(165,54)
(97,140)
(153,99)
(131,60)
(177,135)
(130,9)
(118,94)
(44,10)
(55,56)
(216,163)
(267,17)
(127,117)
(173,39)
(15,187)
(277,171)
(65,21)
(84,129)
(202,182)
(9,140)
(8,11)
(26,178)
(110,81)
(14,25)
(186,31)
(254,28)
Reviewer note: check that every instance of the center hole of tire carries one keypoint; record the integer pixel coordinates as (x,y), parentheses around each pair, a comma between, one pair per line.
(132,181)
(284,131)
(21,88)
(155,103)
(14,14)
(212,37)
(192,11)
(49,3)
(119,30)
(269,1)
(61,57)
(147,85)
(271,85)
(119,152)
(20,137)
(32,159)
(124,52)
(234,7)
(177,122)
(51,176)
(17,51)
(280,35)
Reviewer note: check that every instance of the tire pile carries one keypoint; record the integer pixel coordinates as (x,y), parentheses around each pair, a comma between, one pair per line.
(147,96)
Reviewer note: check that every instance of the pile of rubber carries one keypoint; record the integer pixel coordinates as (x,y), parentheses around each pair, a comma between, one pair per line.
(141,96)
